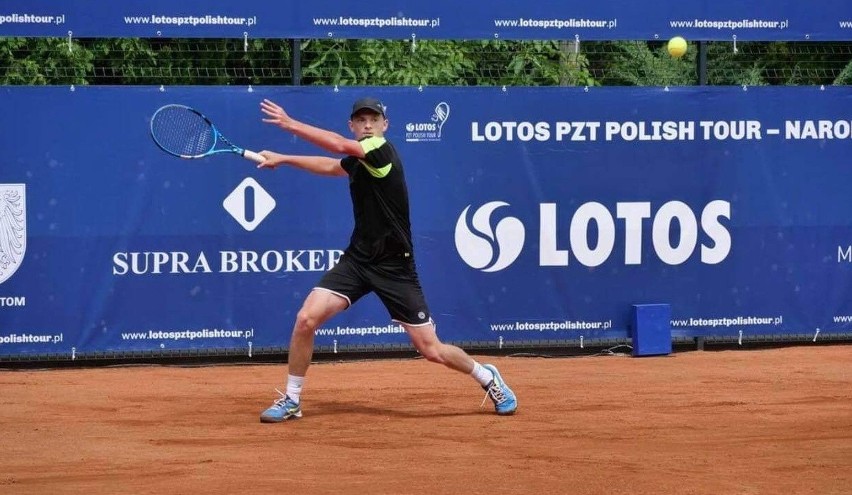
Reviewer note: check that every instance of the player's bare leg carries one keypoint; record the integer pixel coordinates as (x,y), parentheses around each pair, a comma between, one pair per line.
(426,341)
(319,306)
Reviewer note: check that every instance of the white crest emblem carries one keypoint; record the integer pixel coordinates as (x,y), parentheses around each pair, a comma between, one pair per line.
(13,228)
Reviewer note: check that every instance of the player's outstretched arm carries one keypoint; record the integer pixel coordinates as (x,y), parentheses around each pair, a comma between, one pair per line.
(327,140)
(321,165)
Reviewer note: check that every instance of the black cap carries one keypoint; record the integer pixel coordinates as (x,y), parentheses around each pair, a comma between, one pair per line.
(368,104)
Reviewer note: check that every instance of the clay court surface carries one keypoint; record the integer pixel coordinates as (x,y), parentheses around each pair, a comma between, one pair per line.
(770,421)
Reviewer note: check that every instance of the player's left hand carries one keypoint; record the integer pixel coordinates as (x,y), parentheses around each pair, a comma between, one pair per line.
(277,115)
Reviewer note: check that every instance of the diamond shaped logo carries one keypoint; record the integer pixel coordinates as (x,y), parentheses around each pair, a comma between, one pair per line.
(249,204)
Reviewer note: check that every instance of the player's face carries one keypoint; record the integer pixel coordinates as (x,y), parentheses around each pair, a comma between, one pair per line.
(366,123)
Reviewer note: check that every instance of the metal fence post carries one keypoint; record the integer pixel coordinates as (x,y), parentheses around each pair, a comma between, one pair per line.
(702,63)
(296,61)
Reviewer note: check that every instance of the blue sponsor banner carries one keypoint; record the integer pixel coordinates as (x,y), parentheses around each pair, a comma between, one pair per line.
(438,19)
(538,215)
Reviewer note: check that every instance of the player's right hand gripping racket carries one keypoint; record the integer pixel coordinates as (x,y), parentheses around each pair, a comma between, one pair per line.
(185,132)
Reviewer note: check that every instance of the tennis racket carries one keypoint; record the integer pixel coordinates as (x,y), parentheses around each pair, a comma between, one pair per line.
(185,132)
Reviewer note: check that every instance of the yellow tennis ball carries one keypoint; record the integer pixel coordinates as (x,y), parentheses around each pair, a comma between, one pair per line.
(677,47)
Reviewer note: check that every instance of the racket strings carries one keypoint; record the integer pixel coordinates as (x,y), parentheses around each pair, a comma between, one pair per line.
(181,131)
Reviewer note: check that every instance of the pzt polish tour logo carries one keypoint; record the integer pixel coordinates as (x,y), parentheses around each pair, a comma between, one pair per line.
(429,131)
(13,228)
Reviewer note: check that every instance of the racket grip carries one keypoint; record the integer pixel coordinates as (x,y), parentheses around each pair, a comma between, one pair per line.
(255,157)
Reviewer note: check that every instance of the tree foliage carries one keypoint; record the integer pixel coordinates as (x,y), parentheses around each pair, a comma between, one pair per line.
(39,61)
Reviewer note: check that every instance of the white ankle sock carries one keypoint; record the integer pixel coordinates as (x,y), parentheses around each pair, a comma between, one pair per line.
(481,374)
(294,387)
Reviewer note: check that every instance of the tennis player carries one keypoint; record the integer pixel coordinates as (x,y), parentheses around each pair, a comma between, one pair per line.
(379,258)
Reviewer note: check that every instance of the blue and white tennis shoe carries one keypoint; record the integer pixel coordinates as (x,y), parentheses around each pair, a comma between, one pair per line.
(505,402)
(282,409)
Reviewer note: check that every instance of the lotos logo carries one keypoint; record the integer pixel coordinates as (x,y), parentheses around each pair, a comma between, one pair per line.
(13,228)
(593,233)
(486,248)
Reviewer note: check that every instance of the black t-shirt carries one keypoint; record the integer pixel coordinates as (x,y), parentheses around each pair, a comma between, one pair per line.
(379,203)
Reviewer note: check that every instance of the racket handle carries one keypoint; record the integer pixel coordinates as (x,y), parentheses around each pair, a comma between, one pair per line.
(255,157)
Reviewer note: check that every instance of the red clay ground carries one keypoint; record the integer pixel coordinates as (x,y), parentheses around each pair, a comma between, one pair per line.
(734,422)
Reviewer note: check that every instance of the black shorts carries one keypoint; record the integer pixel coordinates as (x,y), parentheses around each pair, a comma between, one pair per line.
(394,280)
